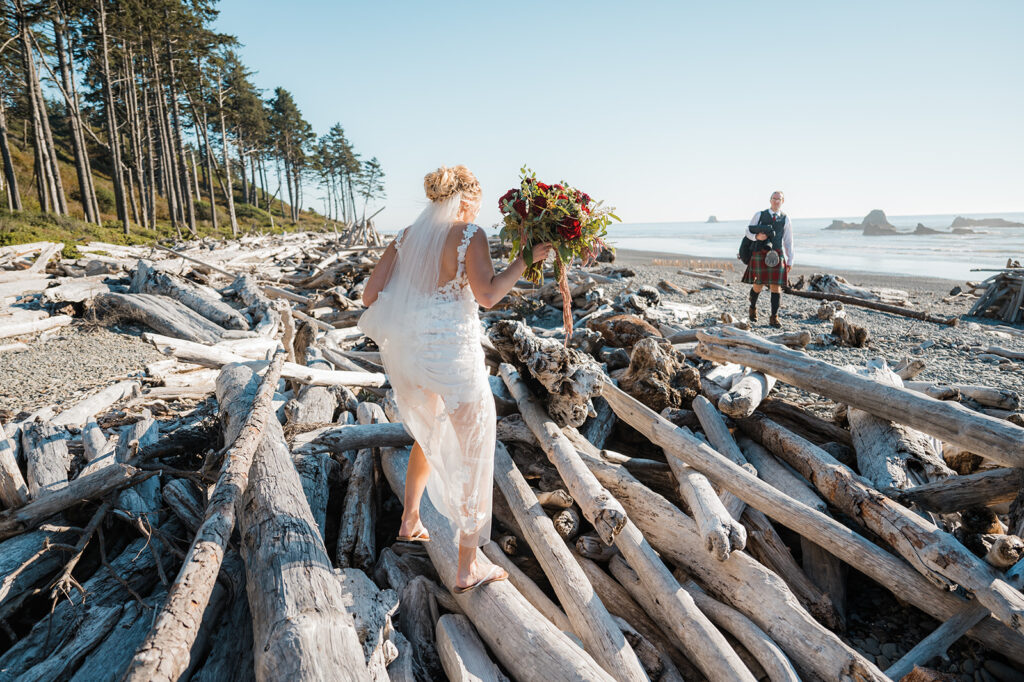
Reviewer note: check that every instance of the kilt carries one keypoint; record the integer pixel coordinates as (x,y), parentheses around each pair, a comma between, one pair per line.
(759,273)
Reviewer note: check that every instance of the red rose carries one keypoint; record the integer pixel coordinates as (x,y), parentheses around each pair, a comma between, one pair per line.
(519,206)
(510,195)
(540,202)
(570,229)
(558,187)
(562,196)
(543,187)
(584,198)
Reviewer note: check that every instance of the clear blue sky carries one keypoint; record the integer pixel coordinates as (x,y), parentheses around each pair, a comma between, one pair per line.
(667,110)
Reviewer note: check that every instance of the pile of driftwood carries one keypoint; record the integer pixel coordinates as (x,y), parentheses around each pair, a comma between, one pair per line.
(232,514)
(1002,296)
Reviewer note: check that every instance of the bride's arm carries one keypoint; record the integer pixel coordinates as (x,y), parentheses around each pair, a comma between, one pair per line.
(380,275)
(489,288)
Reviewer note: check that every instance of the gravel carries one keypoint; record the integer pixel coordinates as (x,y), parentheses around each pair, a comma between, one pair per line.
(58,369)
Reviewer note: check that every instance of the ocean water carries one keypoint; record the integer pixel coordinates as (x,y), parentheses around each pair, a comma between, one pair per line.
(950,256)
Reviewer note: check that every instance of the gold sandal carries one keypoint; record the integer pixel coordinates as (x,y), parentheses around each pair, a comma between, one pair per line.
(422,536)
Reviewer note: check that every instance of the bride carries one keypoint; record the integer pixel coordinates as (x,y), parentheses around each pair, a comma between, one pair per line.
(422,300)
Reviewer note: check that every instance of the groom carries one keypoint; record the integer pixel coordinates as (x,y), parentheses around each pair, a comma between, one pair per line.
(772,233)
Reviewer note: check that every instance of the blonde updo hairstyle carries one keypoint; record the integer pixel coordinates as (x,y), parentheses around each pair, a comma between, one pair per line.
(441,184)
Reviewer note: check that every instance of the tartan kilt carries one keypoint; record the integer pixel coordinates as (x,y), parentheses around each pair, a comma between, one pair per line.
(759,273)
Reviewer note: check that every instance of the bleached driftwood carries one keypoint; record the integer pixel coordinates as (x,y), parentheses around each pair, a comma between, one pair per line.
(13,490)
(165,652)
(9,329)
(148,280)
(934,553)
(956,493)
(996,439)
(356,539)
(46,454)
(217,356)
(701,641)
(750,587)
(889,454)
(887,570)
(523,641)
(590,620)
(462,653)
(299,619)
(81,412)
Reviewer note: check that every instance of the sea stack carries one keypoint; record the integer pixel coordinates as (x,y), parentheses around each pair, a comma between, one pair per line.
(712,219)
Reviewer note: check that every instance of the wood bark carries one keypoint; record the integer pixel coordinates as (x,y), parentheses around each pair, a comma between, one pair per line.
(13,193)
(110,118)
(164,654)
(300,625)
(523,641)
(996,439)
(590,619)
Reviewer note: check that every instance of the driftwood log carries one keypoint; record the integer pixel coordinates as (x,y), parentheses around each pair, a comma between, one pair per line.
(996,439)
(299,620)
(165,653)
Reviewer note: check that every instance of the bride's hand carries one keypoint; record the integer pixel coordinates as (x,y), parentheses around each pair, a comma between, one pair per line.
(541,252)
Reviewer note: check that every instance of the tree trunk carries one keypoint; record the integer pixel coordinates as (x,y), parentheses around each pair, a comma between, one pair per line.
(78,146)
(135,136)
(167,174)
(112,135)
(226,153)
(178,145)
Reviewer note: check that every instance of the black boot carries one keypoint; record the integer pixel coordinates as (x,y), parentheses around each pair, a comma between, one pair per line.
(753,305)
(776,303)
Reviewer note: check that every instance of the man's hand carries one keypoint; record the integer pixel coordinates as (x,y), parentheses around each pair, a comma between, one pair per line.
(761,236)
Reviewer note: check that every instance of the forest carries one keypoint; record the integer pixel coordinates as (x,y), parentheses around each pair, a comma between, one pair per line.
(131,121)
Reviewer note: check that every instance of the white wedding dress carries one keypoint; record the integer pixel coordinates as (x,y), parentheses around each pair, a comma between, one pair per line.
(435,364)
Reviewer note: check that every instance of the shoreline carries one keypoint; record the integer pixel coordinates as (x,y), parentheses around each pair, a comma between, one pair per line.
(907,281)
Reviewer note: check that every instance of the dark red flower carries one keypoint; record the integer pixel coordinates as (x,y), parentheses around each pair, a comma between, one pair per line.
(519,206)
(570,228)
(585,208)
(540,202)
(558,187)
(544,187)
(562,196)
(510,195)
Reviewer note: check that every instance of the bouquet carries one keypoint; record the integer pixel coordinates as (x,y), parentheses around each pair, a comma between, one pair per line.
(576,226)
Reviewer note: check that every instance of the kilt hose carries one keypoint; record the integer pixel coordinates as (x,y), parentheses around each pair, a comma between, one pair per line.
(759,273)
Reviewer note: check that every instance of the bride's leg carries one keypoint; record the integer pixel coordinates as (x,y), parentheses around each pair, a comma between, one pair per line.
(415,484)
(473,425)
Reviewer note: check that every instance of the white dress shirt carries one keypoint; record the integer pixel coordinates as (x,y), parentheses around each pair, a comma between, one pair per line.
(787,235)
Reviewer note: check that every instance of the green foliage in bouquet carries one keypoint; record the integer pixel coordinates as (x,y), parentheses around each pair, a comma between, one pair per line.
(568,218)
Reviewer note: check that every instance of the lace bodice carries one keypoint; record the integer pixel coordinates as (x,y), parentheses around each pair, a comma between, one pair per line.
(457,288)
